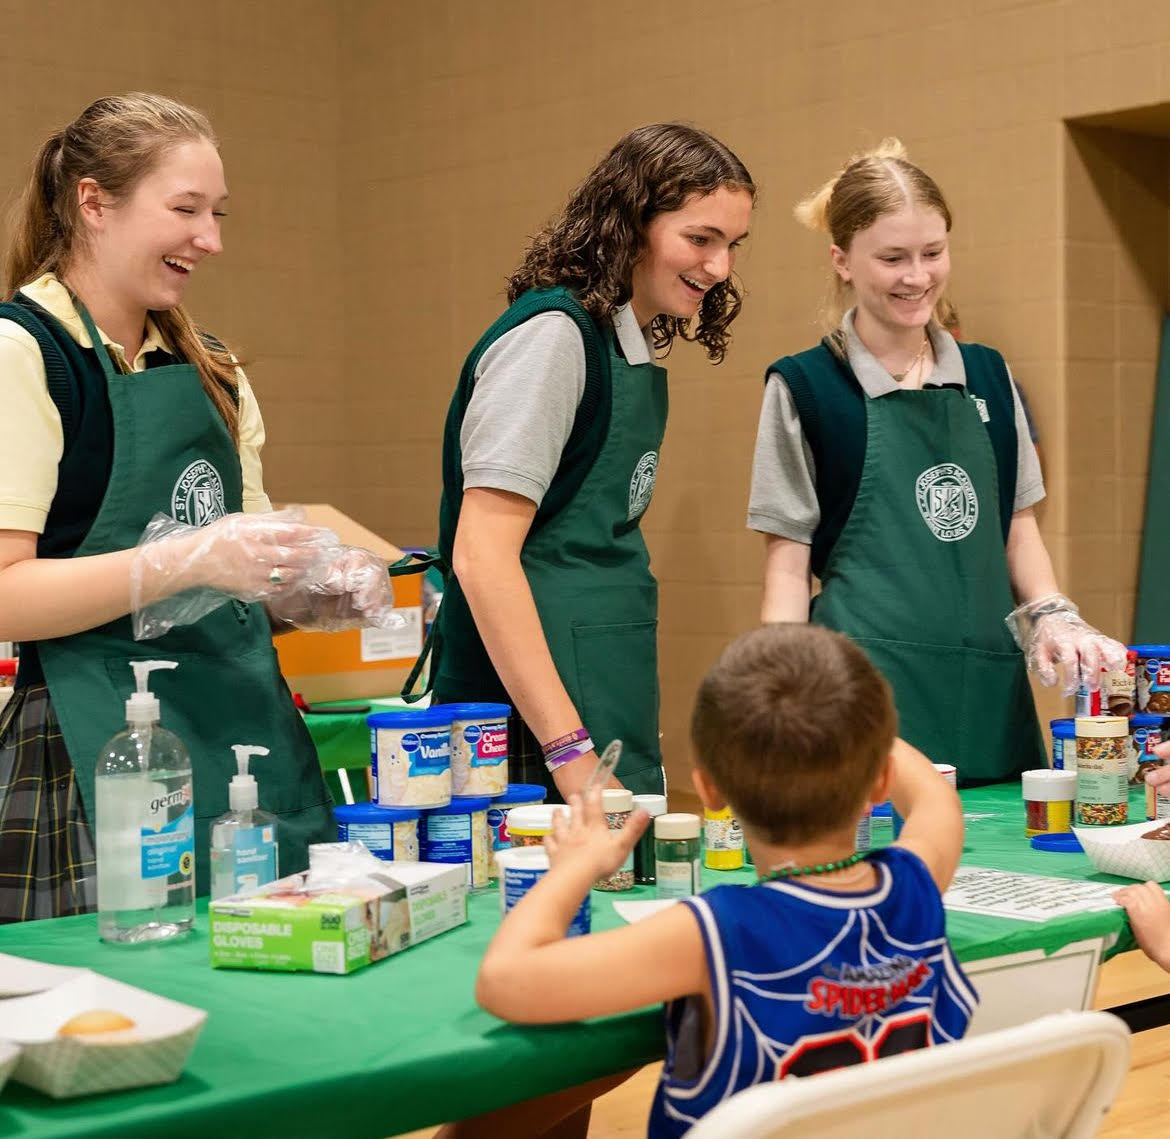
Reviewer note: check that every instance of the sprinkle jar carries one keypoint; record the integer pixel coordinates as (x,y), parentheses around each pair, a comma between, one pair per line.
(618,805)
(516,795)
(1102,765)
(1048,800)
(653,805)
(527,826)
(676,855)
(723,840)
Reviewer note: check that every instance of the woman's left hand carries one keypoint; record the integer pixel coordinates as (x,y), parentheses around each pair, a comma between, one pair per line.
(1058,643)
(582,837)
(352,592)
(1064,641)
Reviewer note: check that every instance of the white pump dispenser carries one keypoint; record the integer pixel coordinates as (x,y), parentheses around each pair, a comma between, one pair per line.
(143,707)
(243,841)
(243,794)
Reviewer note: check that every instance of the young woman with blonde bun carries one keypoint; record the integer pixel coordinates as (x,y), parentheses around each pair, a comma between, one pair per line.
(895,466)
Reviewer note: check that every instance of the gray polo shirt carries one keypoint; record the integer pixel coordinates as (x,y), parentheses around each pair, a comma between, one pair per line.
(783,494)
(528,386)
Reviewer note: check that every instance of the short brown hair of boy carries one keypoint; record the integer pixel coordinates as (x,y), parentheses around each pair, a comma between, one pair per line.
(792,725)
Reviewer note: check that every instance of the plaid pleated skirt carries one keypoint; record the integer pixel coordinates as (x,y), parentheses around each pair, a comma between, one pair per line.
(47,863)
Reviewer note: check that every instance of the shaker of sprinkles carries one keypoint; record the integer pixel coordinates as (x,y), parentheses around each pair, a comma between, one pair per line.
(653,805)
(1102,762)
(479,748)
(724,840)
(527,826)
(618,805)
(516,795)
(1048,800)
(676,855)
(410,756)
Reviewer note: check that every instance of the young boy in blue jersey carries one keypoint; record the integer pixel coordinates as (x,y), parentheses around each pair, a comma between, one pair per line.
(833,957)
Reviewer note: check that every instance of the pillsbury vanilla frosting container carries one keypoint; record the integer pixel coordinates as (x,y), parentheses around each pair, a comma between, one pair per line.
(410,757)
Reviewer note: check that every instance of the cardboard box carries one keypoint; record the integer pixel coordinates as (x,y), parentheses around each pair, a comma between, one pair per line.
(358,663)
(281,927)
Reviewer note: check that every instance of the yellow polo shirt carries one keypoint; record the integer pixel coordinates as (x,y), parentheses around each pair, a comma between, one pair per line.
(31,438)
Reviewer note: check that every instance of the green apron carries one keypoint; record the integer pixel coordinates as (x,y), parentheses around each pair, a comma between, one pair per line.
(589,572)
(918,578)
(174,455)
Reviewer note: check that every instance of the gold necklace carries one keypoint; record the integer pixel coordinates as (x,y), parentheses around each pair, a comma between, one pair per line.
(918,361)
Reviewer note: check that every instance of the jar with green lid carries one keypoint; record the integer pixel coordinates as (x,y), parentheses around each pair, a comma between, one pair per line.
(1102,770)
(676,855)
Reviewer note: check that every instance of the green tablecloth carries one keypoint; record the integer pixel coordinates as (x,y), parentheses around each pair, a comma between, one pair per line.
(343,738)
(401,1044)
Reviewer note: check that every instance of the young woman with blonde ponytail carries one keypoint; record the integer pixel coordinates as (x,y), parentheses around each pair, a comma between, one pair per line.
(895,466)
(117,409)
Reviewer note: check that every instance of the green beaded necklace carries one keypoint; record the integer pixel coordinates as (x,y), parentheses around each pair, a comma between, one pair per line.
(819,868)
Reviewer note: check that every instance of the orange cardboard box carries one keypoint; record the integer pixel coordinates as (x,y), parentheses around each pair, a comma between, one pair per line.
(358,663)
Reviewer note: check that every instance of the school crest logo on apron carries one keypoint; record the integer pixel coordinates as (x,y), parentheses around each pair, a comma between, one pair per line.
(947,501)
(198,495)
(642,484)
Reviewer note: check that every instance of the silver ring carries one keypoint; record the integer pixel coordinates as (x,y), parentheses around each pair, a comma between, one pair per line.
(274,576)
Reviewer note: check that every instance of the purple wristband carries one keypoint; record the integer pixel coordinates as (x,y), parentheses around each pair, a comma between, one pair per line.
(568,754)
(575,736)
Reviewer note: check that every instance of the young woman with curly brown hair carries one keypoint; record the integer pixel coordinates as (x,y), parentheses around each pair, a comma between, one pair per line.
(551,450)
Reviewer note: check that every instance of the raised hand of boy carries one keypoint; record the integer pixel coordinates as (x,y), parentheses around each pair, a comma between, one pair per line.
(583,838)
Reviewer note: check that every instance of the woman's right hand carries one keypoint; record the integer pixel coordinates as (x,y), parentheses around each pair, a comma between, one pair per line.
(251,557)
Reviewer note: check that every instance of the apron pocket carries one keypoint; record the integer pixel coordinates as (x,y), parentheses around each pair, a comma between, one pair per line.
(617,678)
(969,707)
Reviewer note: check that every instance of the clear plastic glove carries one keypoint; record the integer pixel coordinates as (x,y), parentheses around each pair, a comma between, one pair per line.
(181,573)
(352,592)
(1058,644)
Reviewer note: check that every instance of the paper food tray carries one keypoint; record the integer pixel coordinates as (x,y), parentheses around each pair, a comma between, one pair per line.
(9,1054)
(153,1051)
(19,976)
(1123,852)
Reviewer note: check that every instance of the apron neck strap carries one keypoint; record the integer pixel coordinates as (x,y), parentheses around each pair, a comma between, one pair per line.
(103,353)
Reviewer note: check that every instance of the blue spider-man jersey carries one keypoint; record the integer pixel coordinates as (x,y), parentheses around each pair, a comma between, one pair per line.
(805,980)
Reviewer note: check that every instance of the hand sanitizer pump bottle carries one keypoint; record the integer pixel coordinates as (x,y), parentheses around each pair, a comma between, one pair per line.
(243,842)
(144,829)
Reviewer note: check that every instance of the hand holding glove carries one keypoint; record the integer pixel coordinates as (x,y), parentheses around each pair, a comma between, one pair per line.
(1058,643)
(181,573)
(352,591)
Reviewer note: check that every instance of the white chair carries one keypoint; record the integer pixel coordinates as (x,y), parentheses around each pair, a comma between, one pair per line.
(1054,1078)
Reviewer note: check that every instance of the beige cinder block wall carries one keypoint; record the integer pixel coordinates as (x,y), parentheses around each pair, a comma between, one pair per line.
(387,161)
(266,74)
(471,122)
